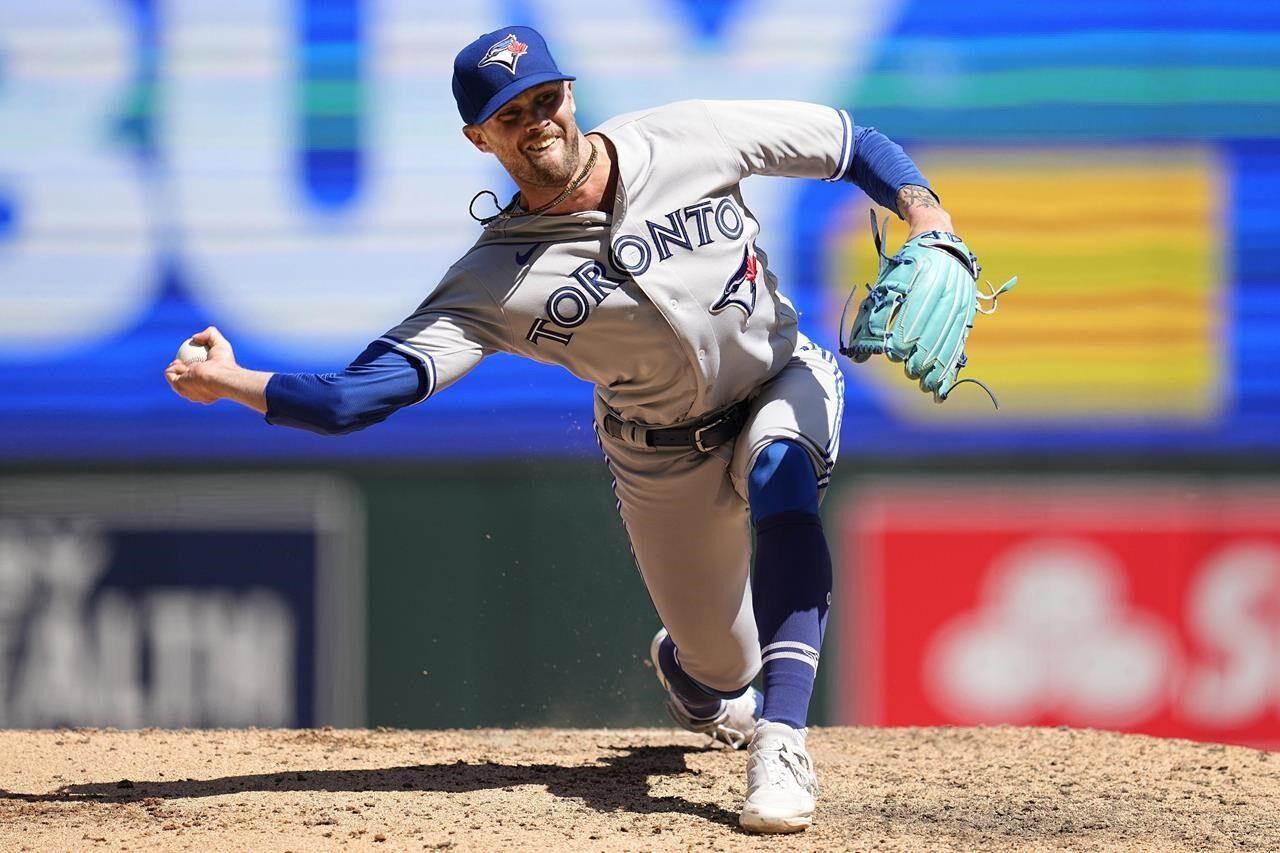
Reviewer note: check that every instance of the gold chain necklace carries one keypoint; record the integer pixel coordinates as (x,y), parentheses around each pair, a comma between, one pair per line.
(511,211)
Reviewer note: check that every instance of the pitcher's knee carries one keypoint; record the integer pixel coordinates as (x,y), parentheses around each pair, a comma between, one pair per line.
(781,480)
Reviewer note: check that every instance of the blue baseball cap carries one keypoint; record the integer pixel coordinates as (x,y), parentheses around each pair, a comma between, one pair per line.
(499,65)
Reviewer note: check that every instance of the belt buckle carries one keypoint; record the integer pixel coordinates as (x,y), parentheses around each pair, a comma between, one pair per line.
(697,435)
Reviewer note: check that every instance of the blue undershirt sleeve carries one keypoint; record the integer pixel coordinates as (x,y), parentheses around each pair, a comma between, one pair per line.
(380,381)
(880,167)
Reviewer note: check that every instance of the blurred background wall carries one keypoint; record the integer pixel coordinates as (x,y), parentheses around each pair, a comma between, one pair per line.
(1104,551)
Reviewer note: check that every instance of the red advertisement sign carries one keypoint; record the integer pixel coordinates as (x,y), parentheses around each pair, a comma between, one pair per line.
(1152,608)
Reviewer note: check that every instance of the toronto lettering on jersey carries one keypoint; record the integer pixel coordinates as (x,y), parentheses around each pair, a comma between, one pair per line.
(569,306)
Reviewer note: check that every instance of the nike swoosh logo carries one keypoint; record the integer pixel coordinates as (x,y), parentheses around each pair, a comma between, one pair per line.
(524,259)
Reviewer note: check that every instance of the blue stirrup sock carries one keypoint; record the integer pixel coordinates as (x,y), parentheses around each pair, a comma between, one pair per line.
(791,586)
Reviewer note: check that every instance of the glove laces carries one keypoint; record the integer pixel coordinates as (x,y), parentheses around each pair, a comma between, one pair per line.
(993,294)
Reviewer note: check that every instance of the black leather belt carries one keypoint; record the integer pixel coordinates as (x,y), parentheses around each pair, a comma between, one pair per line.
(703,435)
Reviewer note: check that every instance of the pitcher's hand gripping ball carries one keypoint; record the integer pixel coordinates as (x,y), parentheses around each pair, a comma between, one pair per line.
(921,308)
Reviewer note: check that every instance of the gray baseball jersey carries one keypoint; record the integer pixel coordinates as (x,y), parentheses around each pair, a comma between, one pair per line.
(668,307)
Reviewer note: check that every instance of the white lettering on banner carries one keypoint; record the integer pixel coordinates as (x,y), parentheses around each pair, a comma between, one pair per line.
(1233,612)
(257,254)
(78,263)
(217,657)
(1053,634)
(83,260)
(226,658)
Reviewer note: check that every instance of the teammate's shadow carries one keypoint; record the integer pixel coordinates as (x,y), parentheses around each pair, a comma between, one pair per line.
(617,783)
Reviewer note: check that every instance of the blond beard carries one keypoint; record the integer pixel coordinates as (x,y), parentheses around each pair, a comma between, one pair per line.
(557,175)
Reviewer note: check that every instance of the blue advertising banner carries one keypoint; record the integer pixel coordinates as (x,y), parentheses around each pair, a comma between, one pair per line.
(179,602)
(293,171)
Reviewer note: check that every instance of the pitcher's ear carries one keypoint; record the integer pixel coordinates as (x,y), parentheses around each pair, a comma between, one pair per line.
(475,136)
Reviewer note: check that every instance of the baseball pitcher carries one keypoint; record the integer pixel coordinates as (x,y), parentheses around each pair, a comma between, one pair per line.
(629,258)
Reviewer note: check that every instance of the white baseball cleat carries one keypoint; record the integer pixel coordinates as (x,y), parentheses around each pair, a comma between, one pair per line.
(781,783)
(733,726)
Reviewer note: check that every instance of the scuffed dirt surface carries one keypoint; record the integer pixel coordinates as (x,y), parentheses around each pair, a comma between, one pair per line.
(646,789)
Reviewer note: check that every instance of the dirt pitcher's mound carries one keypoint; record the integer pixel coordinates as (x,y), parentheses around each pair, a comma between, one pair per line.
(900,789)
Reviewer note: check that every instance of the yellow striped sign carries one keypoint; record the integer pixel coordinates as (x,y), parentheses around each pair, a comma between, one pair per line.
(1119,310)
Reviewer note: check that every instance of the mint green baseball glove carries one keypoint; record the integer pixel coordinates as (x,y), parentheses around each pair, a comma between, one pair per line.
(921,308)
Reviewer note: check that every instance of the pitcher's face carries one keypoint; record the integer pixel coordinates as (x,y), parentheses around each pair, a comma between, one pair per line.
(534,136)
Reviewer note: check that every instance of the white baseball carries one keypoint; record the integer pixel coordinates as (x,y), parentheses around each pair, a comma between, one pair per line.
(190,352)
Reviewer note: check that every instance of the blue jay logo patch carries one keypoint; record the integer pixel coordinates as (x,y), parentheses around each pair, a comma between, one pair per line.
(505,53)
(743,277)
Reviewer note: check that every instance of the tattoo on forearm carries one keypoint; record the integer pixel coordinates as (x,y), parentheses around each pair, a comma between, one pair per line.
(915,196)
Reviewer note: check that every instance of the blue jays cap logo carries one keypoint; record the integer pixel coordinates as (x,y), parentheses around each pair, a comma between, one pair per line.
(505,53)
(488,72)
(744,276)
